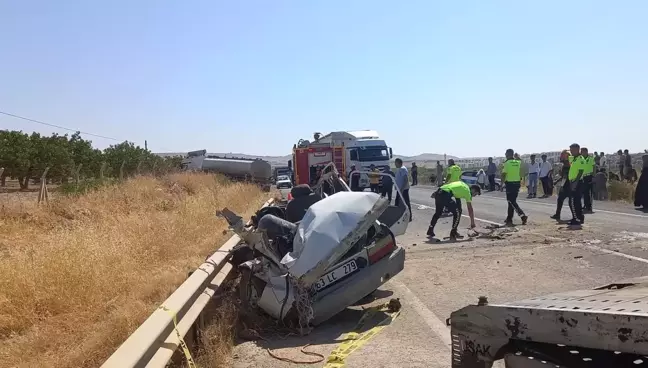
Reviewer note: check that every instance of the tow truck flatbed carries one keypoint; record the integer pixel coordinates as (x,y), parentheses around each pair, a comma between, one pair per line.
(602,327)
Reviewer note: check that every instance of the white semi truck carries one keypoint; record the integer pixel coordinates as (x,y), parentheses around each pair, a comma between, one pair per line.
(361,148)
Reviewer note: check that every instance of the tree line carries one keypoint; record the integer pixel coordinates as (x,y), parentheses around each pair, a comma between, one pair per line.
(26,156)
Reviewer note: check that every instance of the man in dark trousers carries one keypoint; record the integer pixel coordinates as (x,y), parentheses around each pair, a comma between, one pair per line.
(414,174)
(511,177)
(387,185)
(491,171)
(448,197)
(575,176)
(546,173)
(563,183)
(588,180)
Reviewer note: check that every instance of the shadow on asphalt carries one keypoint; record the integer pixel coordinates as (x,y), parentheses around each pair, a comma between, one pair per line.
(447,240)
(644,210)
(329,332)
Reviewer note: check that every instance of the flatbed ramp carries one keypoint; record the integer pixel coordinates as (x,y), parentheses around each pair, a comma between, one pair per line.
(602,327)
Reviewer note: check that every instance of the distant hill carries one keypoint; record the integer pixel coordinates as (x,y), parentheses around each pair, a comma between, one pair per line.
(424,159)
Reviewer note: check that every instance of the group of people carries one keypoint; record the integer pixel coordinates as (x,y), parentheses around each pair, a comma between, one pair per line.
(580,175)
(385,186)
(575,183)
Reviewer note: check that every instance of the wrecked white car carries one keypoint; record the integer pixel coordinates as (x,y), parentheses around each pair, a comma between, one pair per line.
(319,254)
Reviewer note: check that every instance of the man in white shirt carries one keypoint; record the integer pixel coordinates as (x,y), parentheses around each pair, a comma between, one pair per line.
(402,181)
(533,169)
(604,161)
(546,174)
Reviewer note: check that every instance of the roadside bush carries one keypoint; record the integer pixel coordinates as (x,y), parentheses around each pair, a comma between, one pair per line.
(84,186)
(621,190)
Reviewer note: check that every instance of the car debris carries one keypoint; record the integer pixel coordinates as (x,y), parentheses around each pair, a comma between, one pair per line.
(324,250)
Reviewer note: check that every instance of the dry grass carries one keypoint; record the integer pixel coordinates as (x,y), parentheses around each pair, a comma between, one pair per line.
(621,190)
(217,338)
(77,277)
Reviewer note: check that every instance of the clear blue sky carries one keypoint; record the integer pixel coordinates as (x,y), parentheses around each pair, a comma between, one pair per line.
(468,78)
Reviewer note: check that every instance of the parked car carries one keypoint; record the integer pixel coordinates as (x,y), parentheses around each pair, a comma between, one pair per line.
(284,182)
(470,177)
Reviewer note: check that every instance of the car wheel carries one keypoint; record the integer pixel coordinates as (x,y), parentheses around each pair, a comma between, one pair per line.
(245,287)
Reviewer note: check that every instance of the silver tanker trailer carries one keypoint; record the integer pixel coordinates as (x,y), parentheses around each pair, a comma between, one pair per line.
(256,170)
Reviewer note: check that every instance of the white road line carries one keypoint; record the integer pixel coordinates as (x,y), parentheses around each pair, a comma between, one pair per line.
(423,206)
(599,249)
(619,254)
(435,323)
(554,205)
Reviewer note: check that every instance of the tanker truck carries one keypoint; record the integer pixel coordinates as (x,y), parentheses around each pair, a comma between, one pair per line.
(255,170)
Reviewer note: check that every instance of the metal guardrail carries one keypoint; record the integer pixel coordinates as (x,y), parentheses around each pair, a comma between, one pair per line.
(153,344)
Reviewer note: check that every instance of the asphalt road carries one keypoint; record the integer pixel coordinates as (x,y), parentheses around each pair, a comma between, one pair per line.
(540,258)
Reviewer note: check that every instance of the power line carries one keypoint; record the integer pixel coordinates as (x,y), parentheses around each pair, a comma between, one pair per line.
(58,126)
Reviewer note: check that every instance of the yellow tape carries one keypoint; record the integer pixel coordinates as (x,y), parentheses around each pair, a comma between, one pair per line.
(353,340)
(183,345)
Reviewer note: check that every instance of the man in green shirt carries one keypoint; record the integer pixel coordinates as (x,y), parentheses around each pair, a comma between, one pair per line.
(588,182)
(449,197)
(511,178)
(575,177)
(454,172)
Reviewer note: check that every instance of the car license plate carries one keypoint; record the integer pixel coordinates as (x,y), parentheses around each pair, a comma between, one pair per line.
(336,275)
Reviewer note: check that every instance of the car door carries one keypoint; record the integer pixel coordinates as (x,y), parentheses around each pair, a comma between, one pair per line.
(469,177)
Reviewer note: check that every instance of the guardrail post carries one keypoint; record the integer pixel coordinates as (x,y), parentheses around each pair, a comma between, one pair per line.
(121,170)
(77,173)
(43,194)
(102,170)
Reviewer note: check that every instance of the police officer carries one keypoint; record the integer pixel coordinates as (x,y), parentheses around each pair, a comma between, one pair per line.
(454,172)
(448,197)
(588,180)
(576,170)
(453,175)
(511,177)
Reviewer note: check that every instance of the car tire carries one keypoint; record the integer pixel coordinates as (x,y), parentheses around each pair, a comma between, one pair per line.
(248,284)
(245,287)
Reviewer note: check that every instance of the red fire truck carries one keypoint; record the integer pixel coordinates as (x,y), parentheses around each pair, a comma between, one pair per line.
(310,157)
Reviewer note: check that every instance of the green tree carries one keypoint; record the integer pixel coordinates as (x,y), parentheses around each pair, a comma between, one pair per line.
(127,153)
(15,150)
(85,155)
(53,152)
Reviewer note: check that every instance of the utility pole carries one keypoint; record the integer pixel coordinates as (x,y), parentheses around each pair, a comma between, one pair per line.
(145,145)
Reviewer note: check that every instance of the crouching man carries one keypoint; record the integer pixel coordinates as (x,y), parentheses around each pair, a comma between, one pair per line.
(449,197)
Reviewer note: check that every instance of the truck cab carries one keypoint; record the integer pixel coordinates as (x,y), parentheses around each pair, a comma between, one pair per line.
(368,149)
